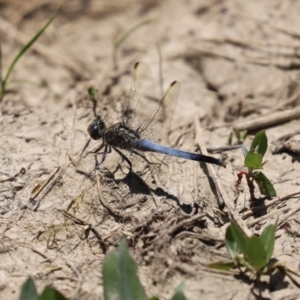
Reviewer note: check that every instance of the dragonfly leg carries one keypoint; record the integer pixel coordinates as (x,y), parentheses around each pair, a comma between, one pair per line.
(149,164)
(107,149)
(128,162)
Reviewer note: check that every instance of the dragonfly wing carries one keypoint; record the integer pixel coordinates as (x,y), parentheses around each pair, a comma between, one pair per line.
(143,111)
(141,92)
(162,114)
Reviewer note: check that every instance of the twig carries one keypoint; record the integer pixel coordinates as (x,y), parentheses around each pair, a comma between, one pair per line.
(252,210)
(199,140)
(268,120)
(288,135)
(224,148)
(184,222)
(22,172)
(256,221)
(284,218)
(37,252)
(90,227)
(40,188)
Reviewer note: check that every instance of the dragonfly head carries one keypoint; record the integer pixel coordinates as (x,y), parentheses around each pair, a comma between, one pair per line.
(96,129)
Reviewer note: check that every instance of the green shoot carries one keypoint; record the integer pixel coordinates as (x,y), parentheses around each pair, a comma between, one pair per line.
(254,253)
(120,280)
(253,161)
(3,81)
(239,135)
(29,292)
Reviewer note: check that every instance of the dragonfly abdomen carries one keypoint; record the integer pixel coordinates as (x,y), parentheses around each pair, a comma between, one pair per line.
(147,145)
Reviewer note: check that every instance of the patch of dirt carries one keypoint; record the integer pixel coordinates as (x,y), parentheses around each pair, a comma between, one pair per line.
(237,63)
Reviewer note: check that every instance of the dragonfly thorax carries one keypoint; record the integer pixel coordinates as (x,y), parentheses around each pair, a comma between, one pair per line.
(121,136)
(96,129)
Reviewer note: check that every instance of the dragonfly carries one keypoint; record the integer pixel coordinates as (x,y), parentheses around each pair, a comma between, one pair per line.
(131,133)
(143,127)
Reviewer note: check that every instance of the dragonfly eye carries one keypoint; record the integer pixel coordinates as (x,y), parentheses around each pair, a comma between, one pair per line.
(96,129)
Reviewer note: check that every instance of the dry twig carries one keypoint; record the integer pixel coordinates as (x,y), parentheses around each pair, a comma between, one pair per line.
(268,120)
(200,141)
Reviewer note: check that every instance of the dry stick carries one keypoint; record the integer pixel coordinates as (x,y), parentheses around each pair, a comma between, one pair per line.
(288,136)
(40,188)
(290,50)
(286,103)
(36,251)
(251,211)
(22,171)
(256,221)
(84,223)
(288,31)
(184,222)
(200,141)
(9,30)
(268,120)
(284,218)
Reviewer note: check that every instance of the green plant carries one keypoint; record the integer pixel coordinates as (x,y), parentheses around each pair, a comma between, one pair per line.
(3,81)
(29,292)
(253,254)
(120,280)
(254,161)
(239,135)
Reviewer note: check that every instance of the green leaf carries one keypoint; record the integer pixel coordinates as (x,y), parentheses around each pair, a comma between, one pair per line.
(230,243)
(242,135)
(264,184)
(120,279)
(28,291)
(153,298)
(260,143)
(223,265)
(49,293)
(92,93)
(253,160)
(268,239)
(179,293)
(255,253)
(235,239)
(110,276)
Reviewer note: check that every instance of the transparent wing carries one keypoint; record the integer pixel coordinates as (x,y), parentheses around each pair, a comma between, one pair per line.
(164,110)
(143,111)
(140,96)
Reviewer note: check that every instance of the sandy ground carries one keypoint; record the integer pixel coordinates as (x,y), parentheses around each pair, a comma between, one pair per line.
(237,61)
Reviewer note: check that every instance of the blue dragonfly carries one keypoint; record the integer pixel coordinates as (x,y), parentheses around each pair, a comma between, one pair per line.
(143,128)
(131,134)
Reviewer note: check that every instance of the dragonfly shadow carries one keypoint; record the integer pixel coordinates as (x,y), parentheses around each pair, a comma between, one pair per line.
(186,208)
(138,186)
(135,183)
